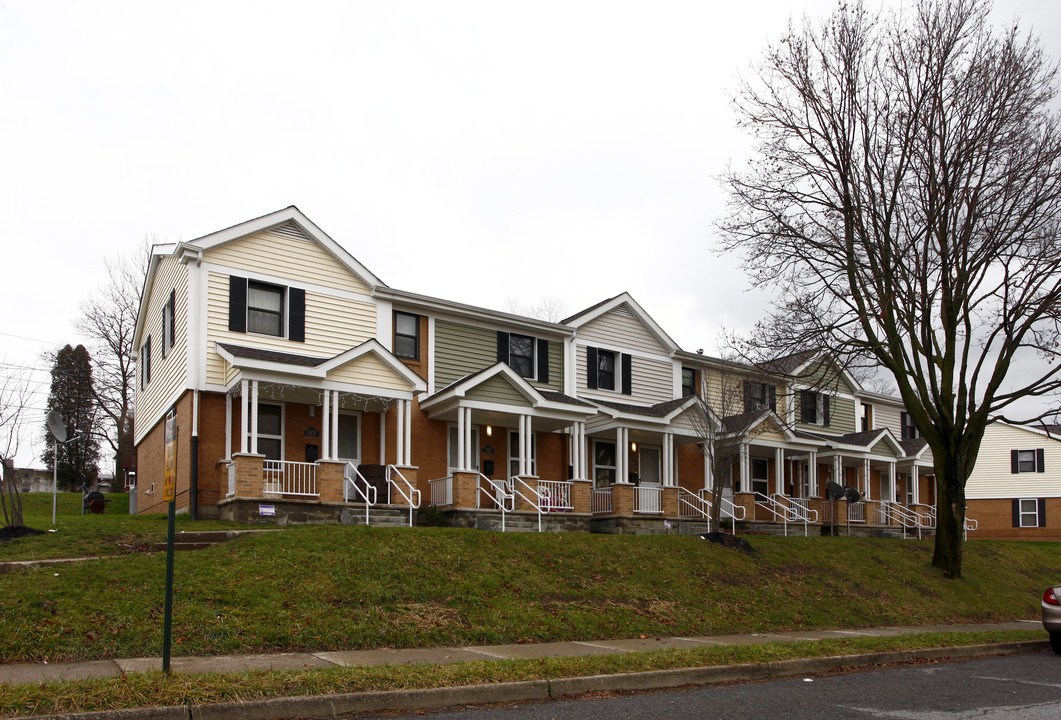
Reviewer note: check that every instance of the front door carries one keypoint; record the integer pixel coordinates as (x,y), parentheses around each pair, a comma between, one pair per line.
(451,461)
(648,467)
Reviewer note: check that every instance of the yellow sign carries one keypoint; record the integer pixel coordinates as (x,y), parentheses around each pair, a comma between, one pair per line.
(169,479)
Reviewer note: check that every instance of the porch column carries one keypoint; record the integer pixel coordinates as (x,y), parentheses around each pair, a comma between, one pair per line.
(623,476)
(891,480)
(469,455)
(709,470)
(668,459)
(866,470)
(399,435)
(583,450)
(254,416)
(408,445)
(838,469)
(228,426)
(812,474)
(461,445)
(383,437)
(574,450)
(779,470)
(915,478)
(524,446)
(745,467)
(335,424)
(326,425)
(244,427)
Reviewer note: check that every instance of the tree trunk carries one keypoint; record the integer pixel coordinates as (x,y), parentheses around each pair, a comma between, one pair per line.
(950,516)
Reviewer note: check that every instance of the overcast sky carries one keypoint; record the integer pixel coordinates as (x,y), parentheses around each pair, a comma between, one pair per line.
(483,152)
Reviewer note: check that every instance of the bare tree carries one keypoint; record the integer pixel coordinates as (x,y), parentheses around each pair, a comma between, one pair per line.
(906,205)
(108,318)
(550,309)
(14,403)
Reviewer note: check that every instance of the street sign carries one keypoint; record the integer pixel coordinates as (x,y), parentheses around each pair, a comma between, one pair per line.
(169,478)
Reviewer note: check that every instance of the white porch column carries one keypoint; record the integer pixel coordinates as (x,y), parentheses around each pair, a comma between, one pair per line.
(335,425)
(462,463)
(383,438)
(891,480)
(915,478)
(583,450)
(326,425)
(745,467)
(623,474)
(709,472)
(244,415)
(524,447)
(228,426)
(779,470)
(812,473)
(399,435)
(408,431)
(469,453)
(668,459)
(254,416)
(838,469)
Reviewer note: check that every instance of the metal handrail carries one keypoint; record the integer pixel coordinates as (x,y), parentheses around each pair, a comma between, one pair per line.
(652,497)
(698,505)
(352,482)
(499,497)
(729,508)
(906,517)
(601,500)
(441,491)
(556,495)
(513,483)
(785,511)
(413,492)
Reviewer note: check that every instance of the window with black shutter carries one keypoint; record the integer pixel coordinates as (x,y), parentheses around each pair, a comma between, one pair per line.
(266,309)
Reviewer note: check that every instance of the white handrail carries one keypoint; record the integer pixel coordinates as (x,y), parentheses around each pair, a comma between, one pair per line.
(728,507)
(601,500)
(556,495)
(412,492)
(697,506)
(785,511)
(908,518)
(441,491)
(352,482)
(514,482)
(288,477)
(648,500)
(499,496)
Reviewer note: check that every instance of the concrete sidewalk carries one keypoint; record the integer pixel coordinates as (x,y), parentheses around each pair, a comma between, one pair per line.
(35,673)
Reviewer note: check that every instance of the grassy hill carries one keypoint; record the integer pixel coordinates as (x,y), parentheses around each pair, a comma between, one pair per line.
(329,587)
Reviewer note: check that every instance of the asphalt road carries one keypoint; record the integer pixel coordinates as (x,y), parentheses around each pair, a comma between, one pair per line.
(1026,686)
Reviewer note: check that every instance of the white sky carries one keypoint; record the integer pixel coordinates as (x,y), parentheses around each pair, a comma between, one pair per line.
(474,151)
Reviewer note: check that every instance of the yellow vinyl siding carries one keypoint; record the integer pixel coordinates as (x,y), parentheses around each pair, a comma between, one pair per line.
(299,261)
(333,325)
(992,476)
(170,374)
(368,370)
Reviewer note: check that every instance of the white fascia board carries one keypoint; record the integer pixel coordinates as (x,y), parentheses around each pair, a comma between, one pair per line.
(280,217)
(158,252)
(1027,428)
(501,320)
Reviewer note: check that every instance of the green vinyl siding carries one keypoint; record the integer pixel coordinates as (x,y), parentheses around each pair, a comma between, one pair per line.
(841,414)
(882,449)
(498,390)
(461,350)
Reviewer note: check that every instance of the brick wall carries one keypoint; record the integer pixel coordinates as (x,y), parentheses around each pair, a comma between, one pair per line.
(995,521)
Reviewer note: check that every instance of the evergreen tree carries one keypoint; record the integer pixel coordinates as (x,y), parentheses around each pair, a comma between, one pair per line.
(72,397)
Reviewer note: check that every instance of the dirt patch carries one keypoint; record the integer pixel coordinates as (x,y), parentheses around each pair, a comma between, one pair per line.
(730,541)
(11,533)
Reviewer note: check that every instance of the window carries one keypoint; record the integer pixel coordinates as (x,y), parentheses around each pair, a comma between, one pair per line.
(688,382)
(1029,512)
(528,356)
(1027,461)
(259,307)
(407,336)
(514,457)
(760,468)
(145,363)
(349,438)
(814,408)
(601,369)
(603,463)
(759,396)
(909,430)
(270,431)
(867,417)
(168,333)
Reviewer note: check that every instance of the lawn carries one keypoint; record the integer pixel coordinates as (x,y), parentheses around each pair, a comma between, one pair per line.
(333,587)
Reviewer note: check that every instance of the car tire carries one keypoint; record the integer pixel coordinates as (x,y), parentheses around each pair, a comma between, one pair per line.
(1055,642)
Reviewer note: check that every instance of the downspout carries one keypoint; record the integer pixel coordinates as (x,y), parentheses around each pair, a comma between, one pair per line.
(193,476)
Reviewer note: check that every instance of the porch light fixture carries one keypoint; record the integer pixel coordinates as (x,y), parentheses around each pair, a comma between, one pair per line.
(633,447)
(489,431)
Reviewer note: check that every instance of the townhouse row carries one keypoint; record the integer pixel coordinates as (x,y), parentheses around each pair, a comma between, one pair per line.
(301,388)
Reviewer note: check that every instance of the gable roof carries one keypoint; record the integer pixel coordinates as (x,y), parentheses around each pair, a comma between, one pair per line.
(545,399)
(602,308)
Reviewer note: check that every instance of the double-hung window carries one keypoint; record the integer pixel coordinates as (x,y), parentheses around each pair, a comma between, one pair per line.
(145,363)
(759,396)
(814,408)
(609,370)
(521,354)
(906,424)
(168,332)
(1027,461)
(528,356)
(265,309)
(688,382)
(1029,512)
(407,336)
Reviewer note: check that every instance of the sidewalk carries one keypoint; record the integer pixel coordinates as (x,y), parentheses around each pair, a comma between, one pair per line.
(23,673)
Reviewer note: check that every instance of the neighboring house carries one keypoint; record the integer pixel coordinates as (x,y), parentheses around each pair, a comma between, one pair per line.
(1014,491)
(304,389)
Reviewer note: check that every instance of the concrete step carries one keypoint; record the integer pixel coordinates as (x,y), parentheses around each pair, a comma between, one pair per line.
(378,515)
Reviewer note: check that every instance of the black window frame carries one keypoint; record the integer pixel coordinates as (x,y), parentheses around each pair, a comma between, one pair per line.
(760,396)
(523,363)
(415,337)
(145,363)
(688,382)
(1027,460)
(168,331)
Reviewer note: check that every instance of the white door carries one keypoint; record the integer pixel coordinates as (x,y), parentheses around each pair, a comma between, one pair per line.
(350,438)
(648,464)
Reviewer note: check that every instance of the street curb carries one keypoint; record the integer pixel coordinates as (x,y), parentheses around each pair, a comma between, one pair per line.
(539,690)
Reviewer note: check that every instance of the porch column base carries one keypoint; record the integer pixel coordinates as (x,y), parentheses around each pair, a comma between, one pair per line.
(623,499)
(330,480)
(521,503)
(581,495)
(410,473)
(670,502)
(250,474)
(464,489)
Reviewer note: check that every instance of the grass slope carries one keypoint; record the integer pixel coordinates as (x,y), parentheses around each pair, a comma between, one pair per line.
(328,587)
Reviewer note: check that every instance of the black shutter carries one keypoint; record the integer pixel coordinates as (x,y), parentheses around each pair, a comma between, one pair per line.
(543,361)
(1014,462)
(502,346)
(628,375)
(1042,512)
(147,360)
(591,368)
(172,317)
(825,410)
(237,304)
(771,392)
(1040,461)
(1016,512)
(747,395)
(296,319)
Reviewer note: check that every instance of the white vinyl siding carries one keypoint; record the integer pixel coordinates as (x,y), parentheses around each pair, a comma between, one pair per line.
(620,328)
(169,374)
(992,477)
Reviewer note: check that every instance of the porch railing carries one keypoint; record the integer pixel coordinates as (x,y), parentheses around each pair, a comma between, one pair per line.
(284,477)
(405,489)
(648,500)
(601,500)
(691,505)
(555,495)
(441,491)
(856,512)
(783,509)
(908,518)
(519,487)
(728,510)
(363,489)
(497,495)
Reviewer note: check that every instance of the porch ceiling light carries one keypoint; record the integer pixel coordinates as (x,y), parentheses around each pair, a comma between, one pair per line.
(489,431)
(633,447)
